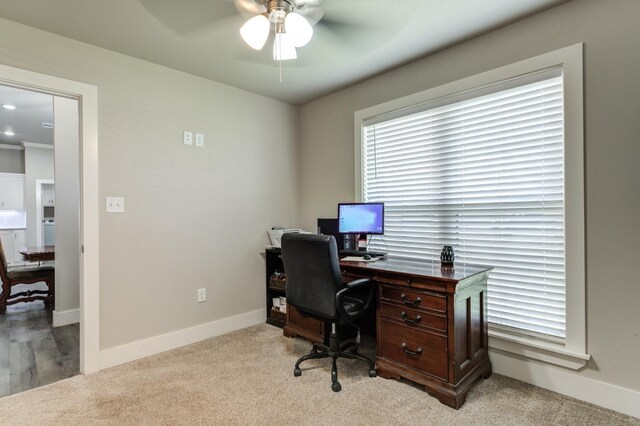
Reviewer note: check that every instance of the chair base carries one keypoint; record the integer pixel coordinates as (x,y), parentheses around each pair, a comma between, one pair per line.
(334,351)
(47,296)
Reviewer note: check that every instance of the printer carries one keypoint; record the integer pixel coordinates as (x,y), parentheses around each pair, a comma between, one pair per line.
(275,234)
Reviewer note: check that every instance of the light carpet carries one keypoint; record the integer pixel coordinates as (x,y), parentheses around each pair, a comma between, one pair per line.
(246,377)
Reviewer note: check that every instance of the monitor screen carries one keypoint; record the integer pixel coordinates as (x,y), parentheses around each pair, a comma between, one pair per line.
(361,218)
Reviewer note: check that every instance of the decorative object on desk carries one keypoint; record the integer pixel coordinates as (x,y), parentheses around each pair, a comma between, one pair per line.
(278,281)
(446,256)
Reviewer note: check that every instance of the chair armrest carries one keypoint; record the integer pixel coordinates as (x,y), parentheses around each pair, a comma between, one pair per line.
(361,283)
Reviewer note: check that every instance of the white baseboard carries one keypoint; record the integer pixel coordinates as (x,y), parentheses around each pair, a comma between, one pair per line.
(164,342)
(567,382)
(61,318)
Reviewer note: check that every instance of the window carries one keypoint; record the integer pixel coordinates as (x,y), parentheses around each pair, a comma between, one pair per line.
(482,169)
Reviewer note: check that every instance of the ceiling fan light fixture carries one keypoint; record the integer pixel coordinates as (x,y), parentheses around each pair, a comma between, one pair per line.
(283,48)
(256,31)
(298,29)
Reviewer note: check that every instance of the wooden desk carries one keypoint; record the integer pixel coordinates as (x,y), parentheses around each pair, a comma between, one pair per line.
(38,254)
(431,324)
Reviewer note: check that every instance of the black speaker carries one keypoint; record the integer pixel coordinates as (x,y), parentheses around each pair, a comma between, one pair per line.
(330,227)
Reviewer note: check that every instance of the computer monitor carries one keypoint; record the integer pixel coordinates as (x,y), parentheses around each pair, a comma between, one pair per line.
(361,218)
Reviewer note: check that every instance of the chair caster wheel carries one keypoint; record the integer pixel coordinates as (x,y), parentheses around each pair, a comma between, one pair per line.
(372,373)
(297,372)
(336,387)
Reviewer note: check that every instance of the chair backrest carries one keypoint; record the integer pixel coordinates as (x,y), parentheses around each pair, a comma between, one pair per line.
(313,273)
(3,263)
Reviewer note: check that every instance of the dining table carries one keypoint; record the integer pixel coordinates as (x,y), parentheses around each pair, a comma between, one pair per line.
(38,253)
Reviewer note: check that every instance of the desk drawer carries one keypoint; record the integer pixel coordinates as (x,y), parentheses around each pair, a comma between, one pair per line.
(413,318)
(351,275)
(417,349)
(405,280)
(414,299)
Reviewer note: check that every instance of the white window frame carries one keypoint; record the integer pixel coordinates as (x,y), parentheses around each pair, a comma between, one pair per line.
(572,353)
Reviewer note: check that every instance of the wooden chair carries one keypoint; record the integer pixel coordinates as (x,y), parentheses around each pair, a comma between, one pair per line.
(14,277)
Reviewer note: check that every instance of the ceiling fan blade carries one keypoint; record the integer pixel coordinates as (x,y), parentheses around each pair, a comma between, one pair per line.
(349,34)
(313,15)
(192,21)
(310,9)
(302,3)
(249,8)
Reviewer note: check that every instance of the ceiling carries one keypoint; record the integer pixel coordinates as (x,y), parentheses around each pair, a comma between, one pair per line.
(32,109)
(355,40)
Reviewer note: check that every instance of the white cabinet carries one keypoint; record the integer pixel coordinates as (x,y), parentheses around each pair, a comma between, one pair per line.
(19,241)
(11,191)
(7,244)
(48,195)
(12,241)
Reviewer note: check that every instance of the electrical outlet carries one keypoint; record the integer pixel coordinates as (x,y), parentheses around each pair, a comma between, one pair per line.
(188,138)
(199,139)
(202,295)
(115,204)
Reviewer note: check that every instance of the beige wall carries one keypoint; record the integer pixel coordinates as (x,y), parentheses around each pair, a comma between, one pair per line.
(610,32)
(39,164)
(11,161)
(194,217)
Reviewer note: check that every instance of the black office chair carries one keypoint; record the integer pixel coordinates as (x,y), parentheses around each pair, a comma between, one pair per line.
(315,288)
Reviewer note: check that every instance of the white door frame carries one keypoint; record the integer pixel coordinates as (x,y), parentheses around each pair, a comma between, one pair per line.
(39,183)
(87,97)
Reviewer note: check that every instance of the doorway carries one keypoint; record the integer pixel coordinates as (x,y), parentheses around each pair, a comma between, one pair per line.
(39,302)
(85,98)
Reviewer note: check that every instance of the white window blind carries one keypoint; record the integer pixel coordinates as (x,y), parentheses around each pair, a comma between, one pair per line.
(483,172)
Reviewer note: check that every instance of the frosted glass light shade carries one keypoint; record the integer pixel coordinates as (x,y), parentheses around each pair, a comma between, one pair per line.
(283,48)
(298,28)
(256,31)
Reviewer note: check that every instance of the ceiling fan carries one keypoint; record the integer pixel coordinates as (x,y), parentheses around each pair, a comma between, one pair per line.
(332,22)
(292,22)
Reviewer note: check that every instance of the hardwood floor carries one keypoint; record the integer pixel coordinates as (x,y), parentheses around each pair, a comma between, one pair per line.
(32,352)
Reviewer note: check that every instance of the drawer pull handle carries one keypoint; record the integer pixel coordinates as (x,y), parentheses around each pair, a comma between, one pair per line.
(410,352)
(410,302)
(404,316)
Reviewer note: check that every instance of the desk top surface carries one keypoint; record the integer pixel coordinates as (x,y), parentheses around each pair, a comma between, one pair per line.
(433,270)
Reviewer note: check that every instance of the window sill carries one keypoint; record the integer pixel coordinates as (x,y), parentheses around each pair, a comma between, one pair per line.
(551,353)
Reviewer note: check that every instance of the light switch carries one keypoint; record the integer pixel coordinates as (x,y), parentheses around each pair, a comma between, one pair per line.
(115,205)
(199,139)
(188,138)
